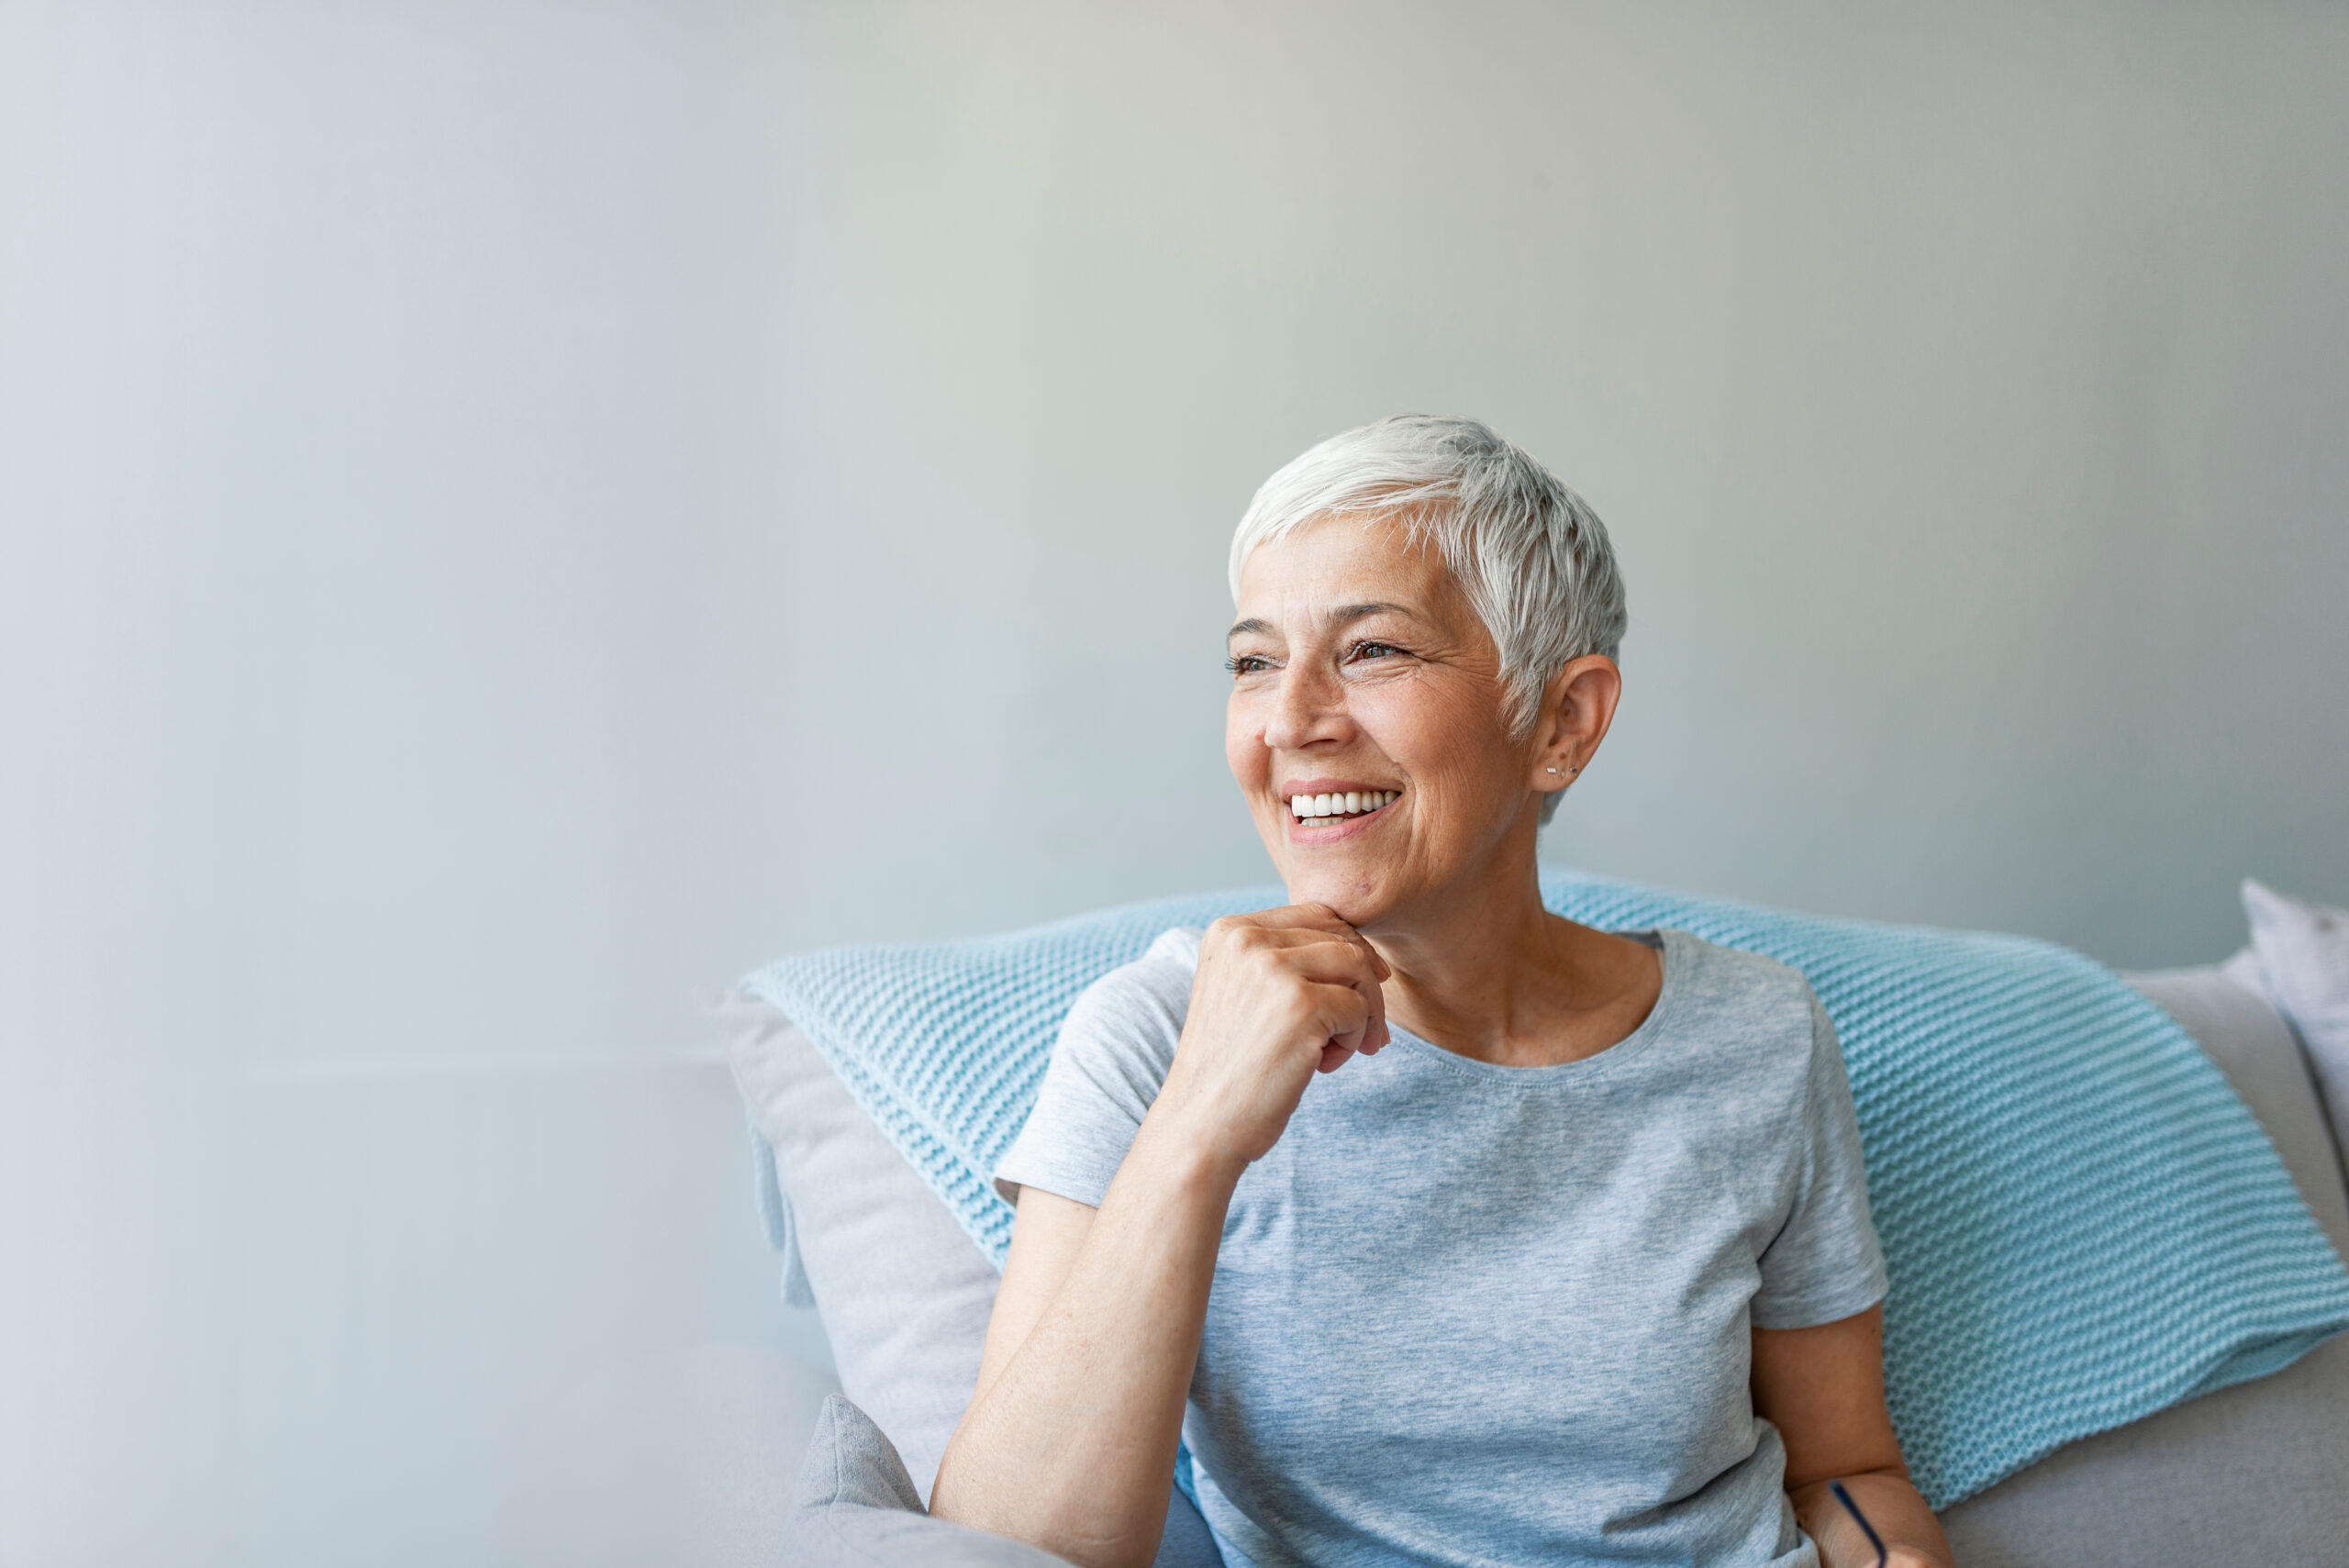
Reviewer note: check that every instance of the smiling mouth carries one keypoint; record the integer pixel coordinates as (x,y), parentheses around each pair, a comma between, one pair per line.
(1321,810)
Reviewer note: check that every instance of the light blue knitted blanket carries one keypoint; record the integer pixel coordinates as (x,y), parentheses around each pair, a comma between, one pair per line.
(2082,1223)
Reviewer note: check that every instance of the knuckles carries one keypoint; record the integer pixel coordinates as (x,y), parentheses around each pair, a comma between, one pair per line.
(1234,931)
(1309,977)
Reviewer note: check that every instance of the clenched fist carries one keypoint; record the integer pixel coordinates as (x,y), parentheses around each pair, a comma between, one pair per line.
(1279,995)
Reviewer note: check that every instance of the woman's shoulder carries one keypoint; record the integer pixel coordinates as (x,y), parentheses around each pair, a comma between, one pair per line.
(1137,1008)
(1754,994)
(1162,974)
(1114,1050)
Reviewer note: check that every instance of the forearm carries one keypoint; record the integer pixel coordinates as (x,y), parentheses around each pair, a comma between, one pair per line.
(1073,1446)
(1912,1536)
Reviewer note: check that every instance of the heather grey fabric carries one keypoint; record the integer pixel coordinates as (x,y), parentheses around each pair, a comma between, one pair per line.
(2258,1472)
(1391,1370)
(857,1508)
(903,1293)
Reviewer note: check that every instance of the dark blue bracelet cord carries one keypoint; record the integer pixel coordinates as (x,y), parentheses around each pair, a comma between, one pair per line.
(1853,1510)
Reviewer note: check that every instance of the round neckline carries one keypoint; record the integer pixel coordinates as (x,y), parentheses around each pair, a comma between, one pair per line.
(1671,951)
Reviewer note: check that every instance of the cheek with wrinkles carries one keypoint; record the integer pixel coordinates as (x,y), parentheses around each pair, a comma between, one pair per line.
(1450,732)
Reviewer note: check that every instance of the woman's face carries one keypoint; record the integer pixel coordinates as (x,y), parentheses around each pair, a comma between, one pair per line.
(1359,669)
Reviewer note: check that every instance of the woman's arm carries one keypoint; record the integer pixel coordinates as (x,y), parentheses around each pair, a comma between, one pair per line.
(1823,1389)
(1069,1441)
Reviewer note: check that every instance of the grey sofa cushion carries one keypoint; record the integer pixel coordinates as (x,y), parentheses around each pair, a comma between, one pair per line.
(2258,1472)
(857,1508)
(2252,1045)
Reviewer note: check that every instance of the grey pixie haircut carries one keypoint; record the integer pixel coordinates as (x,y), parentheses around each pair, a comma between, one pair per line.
(1529,553)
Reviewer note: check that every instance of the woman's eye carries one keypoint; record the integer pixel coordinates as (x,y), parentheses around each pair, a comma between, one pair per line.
(1374,649)
(1244,664)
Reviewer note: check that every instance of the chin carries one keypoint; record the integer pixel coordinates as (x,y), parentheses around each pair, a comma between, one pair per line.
(1358,898)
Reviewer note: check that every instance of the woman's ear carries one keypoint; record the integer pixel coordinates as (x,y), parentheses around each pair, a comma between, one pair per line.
(1578,705)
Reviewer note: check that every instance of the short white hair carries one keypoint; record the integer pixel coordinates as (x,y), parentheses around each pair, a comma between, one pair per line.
(1530,554)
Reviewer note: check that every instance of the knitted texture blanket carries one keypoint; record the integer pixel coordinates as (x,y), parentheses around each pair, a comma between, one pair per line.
(2082,1222)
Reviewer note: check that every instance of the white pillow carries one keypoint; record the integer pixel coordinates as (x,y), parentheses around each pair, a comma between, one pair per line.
(903,1293)
(2302,951)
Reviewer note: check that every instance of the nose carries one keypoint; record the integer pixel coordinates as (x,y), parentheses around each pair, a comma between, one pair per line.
(1308,707)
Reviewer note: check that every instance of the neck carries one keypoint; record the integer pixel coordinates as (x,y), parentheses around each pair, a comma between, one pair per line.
(1480,966)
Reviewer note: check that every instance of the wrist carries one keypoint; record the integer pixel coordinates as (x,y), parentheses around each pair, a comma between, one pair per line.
(1188,1152)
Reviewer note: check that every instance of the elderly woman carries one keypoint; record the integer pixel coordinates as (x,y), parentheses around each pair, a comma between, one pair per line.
(1445,1230)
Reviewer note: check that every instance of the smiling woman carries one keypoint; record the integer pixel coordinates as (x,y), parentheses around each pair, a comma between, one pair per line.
(1582,1268)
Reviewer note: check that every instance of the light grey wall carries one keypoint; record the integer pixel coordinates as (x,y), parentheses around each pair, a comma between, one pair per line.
(1964,390)
(509,510)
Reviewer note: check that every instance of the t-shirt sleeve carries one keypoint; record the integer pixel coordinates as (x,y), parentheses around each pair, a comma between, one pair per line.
(1825,1262)
(1113,1052)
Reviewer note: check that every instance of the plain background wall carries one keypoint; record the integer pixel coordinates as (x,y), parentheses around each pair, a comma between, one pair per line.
(509,510)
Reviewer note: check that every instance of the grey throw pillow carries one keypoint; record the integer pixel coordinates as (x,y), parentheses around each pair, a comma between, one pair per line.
(858,1508)
(2302,953)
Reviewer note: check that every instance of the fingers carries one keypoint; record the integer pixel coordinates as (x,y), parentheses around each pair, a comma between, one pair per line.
(1369,981)
(1312,918)
(1306,932)
(1316,957)
(1312,953)
(1317,940)
(1320,952)
(1320,916)
(1340,928)
(1373,1032)
(1342,1019)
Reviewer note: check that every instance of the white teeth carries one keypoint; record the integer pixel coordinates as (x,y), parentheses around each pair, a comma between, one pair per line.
(1348,804)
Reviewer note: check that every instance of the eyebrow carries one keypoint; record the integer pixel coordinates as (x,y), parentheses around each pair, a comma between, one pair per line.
(1343,616)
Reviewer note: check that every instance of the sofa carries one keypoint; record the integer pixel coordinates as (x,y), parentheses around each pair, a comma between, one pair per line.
(2255,1472)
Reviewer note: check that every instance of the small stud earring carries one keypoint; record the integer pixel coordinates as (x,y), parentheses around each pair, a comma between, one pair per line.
(1554,770)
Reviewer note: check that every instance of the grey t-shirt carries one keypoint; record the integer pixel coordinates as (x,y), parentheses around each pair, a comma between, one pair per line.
(1465,1314)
